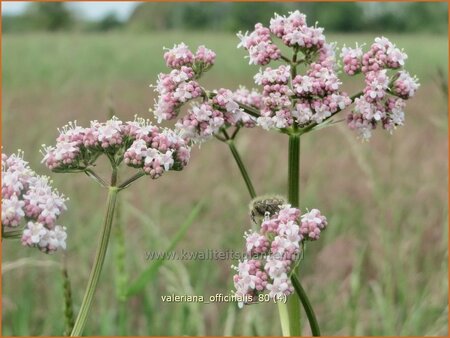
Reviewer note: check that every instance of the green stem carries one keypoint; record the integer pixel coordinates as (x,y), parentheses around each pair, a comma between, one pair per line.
(242,168)
(131,180)
(98,262)
(92,174)
(294,170)
(307,306)
(284,319)
(12,234)
(294,199)
(293,303)
(284,58)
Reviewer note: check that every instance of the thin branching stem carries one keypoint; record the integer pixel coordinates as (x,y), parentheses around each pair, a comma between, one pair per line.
(246,108)
(220,138)
(225,134)
(126,183)
(313,125)
(242,168)
(249,110)
(284,58)
(235,132)
(92,174)
(12,234)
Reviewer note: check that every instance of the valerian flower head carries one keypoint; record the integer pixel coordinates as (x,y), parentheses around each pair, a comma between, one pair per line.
(180,87)
(405,85)
(204,59)
(178,56)
(273,249)
(311,98)
(288,98)
(351,58)
(138,143)
(383,99)
(259,45)
(294,32)
(248,97)
(205,119)
(305,99)
(30,202)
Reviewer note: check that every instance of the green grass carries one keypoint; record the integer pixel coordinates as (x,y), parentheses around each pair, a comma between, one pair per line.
(380,269)
(98,60)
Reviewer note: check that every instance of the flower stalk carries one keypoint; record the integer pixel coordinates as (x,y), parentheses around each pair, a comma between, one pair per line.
(99,260)
(293,303)
(12,234)
(294,170)
(284,319)
(138,144)
(306,305)
(294,199)
(242,168)
(289,313)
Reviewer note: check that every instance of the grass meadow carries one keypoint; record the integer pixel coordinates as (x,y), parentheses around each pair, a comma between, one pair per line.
(379,269)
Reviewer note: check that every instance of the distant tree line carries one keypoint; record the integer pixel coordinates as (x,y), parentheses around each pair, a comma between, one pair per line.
(222,16)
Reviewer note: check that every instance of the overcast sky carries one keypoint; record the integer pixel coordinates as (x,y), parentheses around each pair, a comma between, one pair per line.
(92,9)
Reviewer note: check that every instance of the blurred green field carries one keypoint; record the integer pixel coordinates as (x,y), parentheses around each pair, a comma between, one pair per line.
(380,269)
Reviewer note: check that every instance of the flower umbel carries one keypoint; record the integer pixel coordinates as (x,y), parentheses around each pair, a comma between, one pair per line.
(384,95)
(28,199)
(208,112)
(310,99)
(287,98)
(138,143)
(274,249)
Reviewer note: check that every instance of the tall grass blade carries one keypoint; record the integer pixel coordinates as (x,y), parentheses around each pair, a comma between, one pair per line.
(150,272)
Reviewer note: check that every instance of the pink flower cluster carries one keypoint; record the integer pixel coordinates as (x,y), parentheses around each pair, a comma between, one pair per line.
(318,81)
(180,56)
(201,122)
(274,251)
(139,143)
(294,32)
(318,93)
(289,98)
(259,45)
(250,98)
(405,85)
(314,97)
(205,119)
(179,86)
(352,59)
(383,96)
(175,89)
(276,102)
(29,198)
